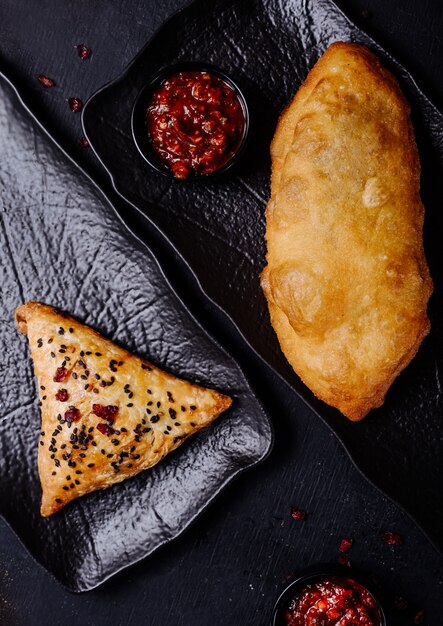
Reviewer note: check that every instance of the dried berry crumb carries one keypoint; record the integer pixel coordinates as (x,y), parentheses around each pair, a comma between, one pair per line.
(62,395)
(45,81)
(298,514)
(83,51)
(60,374)
(107,413)
(392,539)
(83,142)
(346,544)
(419,617)
(343,560)
(72,415)
(104,429)
(75,104)
(400,603)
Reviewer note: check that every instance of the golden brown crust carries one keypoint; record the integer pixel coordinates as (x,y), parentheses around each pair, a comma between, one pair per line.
(155,413)
(347,281)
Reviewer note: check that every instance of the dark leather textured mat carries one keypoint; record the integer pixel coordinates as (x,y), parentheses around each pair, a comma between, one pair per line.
(268,47)
(60,243)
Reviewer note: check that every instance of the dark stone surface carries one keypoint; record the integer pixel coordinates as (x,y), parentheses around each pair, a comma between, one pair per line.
(228,568)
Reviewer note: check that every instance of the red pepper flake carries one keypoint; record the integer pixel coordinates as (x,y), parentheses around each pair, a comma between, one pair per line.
(62,395)
(83,51)
(75,104)
(84,143)
(346,545)
(343,560)
(107,413)
(60,374)
(392,539)
(104,429)
(419,617)
(72,414)
(298,514)
(45,81)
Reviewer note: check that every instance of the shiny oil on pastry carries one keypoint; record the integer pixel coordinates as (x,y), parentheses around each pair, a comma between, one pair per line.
(106,413)
(346,280)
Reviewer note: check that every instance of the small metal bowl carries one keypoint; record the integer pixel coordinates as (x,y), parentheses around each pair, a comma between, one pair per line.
(138,120)
(314,575)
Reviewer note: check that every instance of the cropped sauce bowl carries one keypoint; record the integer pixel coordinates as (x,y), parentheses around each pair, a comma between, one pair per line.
(327,596)
(190,122)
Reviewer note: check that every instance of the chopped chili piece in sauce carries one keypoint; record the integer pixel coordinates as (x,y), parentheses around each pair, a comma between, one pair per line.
(333,601)
(195,122)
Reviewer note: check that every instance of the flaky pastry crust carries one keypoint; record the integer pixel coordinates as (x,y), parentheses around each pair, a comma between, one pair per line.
(346,280)
(106,413)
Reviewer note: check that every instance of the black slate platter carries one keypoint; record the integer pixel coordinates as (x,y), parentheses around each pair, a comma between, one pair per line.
(61,244)
(218,227)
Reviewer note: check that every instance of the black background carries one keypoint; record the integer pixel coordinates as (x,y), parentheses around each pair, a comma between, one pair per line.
(230,566)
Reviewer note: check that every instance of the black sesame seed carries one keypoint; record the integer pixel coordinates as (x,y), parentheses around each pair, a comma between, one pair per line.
(172,413)
(53,355)
(74,375)
(170,398)
(41,443)
(77,482)
(166,432)
(177,424)
(42,387)
(97,376)
(147,430)
(158,404)
(130,395)
(129,465)
(192,407)
(193,424)
(61,331)
(50,340)
(72,485)
(71,330)
(44,397)
(82,353)
(54,473)
(88,352)
(39,342)
(82,455)
(149,391)
(183,408)
(91,464)
(130,404)
(95,390)
(65,487)
(57,463)
(115,442)
(68,477)
(154,419)
(98,354)
(109,456)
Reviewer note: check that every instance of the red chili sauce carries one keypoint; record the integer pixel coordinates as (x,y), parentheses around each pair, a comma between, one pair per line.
(195,122)
(333,602)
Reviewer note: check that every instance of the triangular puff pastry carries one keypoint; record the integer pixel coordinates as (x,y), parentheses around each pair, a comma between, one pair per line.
(106,414)
(347,282)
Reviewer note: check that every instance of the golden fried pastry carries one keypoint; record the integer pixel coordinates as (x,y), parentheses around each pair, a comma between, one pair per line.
(346,278)
(106,414)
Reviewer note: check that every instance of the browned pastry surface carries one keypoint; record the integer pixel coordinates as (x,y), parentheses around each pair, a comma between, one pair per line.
(346,278)
(106,413)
